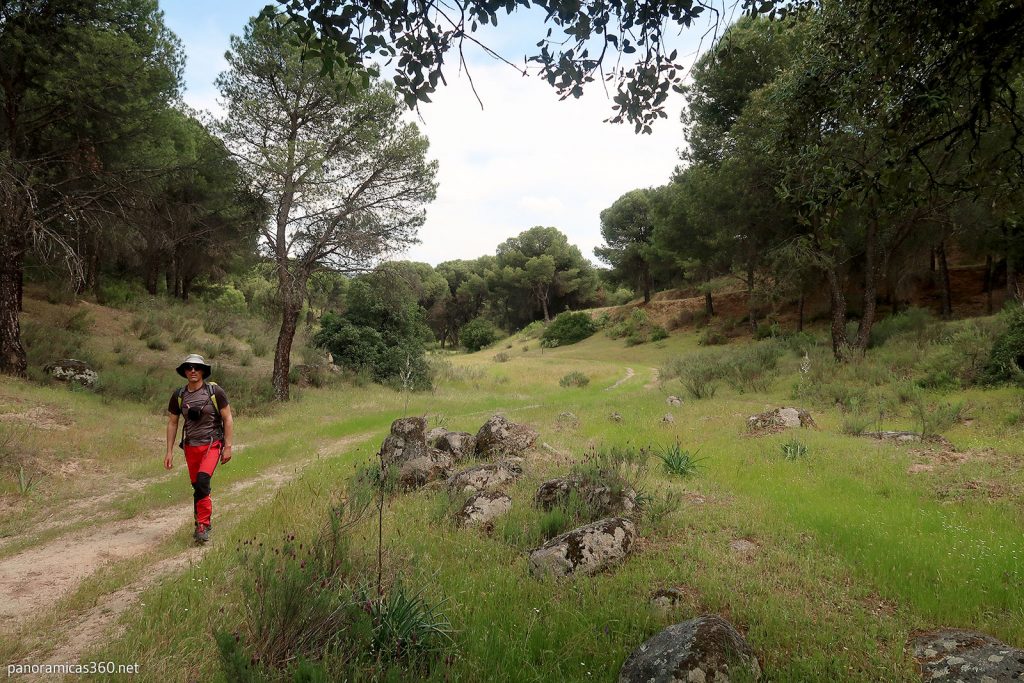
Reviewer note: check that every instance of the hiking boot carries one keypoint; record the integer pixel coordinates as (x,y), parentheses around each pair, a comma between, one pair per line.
(202,534)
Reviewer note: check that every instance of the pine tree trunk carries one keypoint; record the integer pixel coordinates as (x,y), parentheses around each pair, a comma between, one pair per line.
(15,215)
(837,296)
(1011,280)
(283,352)
(867,319)
(709,304)
(988,284)
(751,309)
(800,313)
(947,297)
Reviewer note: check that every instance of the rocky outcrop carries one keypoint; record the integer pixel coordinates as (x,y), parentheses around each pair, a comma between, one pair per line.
(499,437)
(601,499)
(965,656)
(434,435)
(674,401)
(74,371)
(459,445)
(422,469)
(407,441)
(779,419)
(707,648)
(898,437)
(485,477)
(587,550)
(483,508)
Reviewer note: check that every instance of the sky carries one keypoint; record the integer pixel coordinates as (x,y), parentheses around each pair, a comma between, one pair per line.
(525,159)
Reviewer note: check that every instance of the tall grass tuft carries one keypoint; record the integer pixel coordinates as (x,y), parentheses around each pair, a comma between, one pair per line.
(679,461)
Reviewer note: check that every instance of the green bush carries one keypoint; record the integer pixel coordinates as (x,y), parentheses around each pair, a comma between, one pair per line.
(636,338)
(534,329)
(712,337)
(753,367)
(574,379)
(117,293)
(658,333)
(568,328)
(678,461)
(914,322)
(477,333)
(1006,361)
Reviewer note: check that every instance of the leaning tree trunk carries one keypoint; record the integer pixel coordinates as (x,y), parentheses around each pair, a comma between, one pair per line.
(291,307)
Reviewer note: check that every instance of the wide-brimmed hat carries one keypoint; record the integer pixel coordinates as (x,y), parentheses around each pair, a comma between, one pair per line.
(195,359)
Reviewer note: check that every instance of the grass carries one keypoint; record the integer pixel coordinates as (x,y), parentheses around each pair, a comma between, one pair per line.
(853,550)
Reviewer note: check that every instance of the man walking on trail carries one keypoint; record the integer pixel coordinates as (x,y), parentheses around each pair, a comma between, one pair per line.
(206,436)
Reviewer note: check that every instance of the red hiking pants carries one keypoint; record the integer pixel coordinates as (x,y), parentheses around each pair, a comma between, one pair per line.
(202,461)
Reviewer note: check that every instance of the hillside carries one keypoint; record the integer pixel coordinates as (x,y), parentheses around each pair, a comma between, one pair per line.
(827,550)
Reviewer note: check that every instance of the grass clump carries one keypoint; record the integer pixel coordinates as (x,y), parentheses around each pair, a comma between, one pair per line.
(794,449)
(502,357)
(568,328)
(574,379)
(679,461)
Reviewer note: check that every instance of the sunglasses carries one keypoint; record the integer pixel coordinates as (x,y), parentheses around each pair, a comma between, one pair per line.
(190,368)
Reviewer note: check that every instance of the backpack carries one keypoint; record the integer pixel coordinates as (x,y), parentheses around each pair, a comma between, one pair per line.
(216,412)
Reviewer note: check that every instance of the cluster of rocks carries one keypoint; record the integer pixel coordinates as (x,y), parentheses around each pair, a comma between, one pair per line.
(778,419)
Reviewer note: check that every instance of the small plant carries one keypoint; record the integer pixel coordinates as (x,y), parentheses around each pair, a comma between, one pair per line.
(26,481)
(574,379)
(856,423)
(933,419)
(184,332)
(656,508)
(679,461)
(794,449)
(406,626)
(658,333)
(712,337)
(79,321)
(502,357)
(157,343)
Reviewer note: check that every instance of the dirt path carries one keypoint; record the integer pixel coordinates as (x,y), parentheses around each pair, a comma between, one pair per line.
(655,379)
(34,580)
(629,373)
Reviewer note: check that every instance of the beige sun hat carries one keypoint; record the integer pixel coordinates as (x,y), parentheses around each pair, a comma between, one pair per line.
(195,359)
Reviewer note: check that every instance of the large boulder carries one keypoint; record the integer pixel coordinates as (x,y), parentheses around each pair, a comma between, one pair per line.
(74,371)
(955,655)
(588,549)
(483,508)
(603,500)
(407,441)
(500,437)
(707,648)
(434,435)
(485,477)
(423,469)
(779,419)
(459,445)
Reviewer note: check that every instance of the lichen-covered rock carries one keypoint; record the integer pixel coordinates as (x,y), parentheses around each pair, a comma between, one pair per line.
(707,648)
(418,471)
(965,656)
(586,550)
(434,435)
(71,370)
(459,445)
(668,418)
(615,417)
(407,441)
(500,437)
(485,477)
(602,499)
(483,507)
(898,437)
(674,401)
(779,419)
(665,600)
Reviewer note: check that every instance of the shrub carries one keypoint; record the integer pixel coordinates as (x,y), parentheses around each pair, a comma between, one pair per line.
(568,328)
(712,337)
(1006,361)
(678,461)
(477,333)
(533,330)
(913,322)
(80,321)
(636,338)
(752,368)
(658,333)
(157,344)
(574,379)
(620,469)
(933,419)
(856,423)
(502,357)
(116,293)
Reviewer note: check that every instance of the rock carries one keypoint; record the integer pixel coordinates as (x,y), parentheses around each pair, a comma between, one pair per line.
(459,445)
(587,550)
(423,469)
(898,437)
(434,435)
(500,437)
(566,416)
(744,548)
(484,507)
(667,599)
(601,499)
(407,441)
(674,401)
(615,417)
(485,477)
(667,418)
(707,648)
(71,370)
(780,418)
(955,655)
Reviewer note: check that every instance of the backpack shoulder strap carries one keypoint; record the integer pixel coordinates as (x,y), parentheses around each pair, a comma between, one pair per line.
(181,392)
(213,398)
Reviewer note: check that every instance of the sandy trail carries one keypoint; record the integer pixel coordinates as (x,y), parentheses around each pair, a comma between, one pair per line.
(34,580)
(629,374)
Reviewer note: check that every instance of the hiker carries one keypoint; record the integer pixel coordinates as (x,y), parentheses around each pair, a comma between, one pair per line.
(206,436)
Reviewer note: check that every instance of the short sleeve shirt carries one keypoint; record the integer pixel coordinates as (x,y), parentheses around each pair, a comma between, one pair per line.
(207,428)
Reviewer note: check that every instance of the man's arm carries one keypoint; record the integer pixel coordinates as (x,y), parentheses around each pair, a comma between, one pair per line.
(229,433)
(172,431)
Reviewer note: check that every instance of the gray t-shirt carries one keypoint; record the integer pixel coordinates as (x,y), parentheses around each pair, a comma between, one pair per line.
(208,427)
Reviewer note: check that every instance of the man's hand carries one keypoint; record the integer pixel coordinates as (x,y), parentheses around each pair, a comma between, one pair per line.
(168,460)
(225,454)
